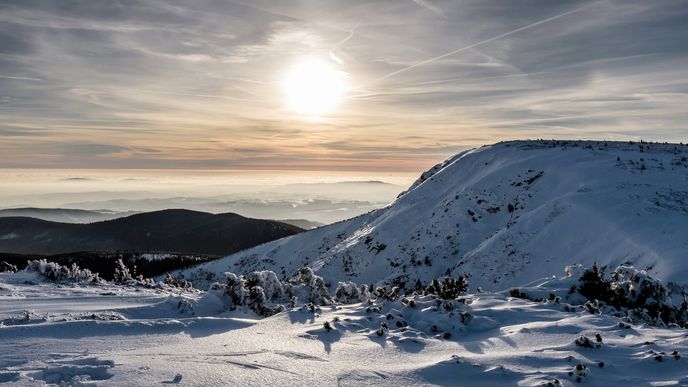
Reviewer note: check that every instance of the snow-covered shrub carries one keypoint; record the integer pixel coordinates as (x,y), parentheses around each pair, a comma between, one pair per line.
(537,296)
(7,267)
(122,273)
(349,293)
(447,288)
(235,288)
(176,283)
(383,294)
(635,292)
(417,316)
(308,286)
(59,273)
(124,276)
(328,326)
(626,292)
(258,302)
(265,294)
(96,316)
(585,342)
(54,272)
(268,281)
(579,371)
(592,284)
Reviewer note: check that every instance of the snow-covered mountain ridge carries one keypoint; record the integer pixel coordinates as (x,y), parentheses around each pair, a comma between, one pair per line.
(504,215)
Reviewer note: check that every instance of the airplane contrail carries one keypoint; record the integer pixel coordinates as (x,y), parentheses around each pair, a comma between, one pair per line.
(333,55)
(21,78)
(450,53)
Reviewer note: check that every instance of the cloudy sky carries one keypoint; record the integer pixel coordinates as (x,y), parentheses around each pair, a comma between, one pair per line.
(200,84)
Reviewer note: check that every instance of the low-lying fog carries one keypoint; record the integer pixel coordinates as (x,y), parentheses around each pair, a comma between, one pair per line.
(316,196)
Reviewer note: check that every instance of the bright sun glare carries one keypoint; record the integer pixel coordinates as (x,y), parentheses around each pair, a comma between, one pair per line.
(313,86)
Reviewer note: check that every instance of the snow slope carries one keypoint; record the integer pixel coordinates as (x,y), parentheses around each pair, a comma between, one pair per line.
(504,215)
(79,335)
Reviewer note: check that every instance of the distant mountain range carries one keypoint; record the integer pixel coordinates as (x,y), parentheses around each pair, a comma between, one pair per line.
(322,210)
(68,215)
(65,215)
(504,215)
(179,231)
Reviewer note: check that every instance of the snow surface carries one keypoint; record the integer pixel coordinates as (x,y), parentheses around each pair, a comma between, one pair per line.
(121,336)
(504,214)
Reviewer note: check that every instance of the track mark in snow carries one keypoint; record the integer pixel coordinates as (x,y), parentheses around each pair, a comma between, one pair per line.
(256,366)
(299,356)
(74,371)
(232,354)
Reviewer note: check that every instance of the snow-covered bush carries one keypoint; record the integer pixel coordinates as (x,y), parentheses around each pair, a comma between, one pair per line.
(447,288)
(235,288)
(54,272)
(585,342)
(59,273)
(626,292)
(176,283)
(268,281)
(305,285)
(635,292)
(7,267)
(383,294)
(263,293)
(349,293)
(124,276)
(416,317)
(122,273)
(258,302)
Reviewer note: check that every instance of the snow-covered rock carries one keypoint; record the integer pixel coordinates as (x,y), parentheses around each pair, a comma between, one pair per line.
(503,215)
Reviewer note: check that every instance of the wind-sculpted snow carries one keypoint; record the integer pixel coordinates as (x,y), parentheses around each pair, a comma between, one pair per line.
(503,215)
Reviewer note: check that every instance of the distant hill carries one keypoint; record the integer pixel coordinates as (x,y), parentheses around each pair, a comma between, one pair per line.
(302,223)
(180,231)
(64,215)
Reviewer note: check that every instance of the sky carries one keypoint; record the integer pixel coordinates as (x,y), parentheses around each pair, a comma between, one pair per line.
(172,84)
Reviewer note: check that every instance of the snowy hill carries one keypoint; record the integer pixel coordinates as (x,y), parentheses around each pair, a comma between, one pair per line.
(504,215)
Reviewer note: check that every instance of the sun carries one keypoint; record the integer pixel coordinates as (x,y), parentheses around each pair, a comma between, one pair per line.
(313,86)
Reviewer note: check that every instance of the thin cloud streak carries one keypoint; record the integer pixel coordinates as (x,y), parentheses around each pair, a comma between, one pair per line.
(427,5)
(21,78)
(480,43)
